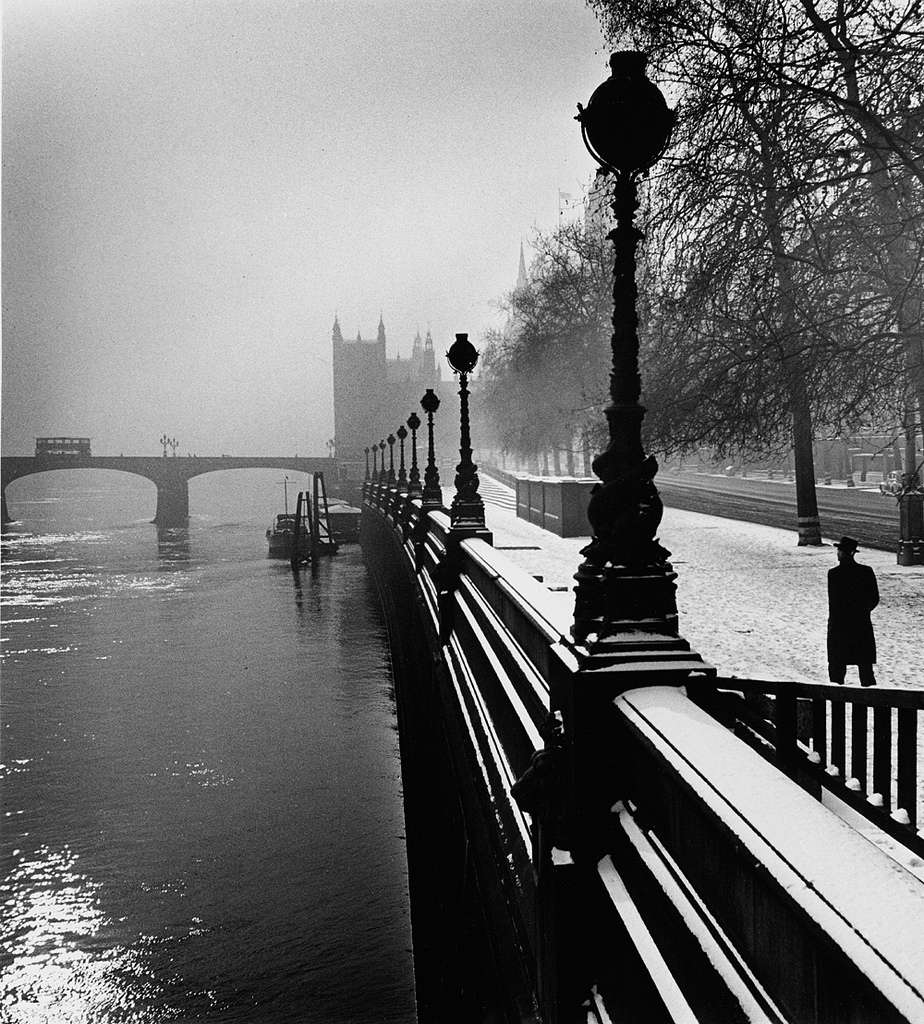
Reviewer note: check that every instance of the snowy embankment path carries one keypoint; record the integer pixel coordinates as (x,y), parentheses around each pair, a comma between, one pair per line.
(751,602)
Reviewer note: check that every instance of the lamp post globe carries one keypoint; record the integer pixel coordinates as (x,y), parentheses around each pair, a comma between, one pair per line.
(462,355)
(626,124)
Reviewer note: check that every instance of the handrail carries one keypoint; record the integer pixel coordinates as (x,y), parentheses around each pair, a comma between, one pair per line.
(497,656)
(871,765)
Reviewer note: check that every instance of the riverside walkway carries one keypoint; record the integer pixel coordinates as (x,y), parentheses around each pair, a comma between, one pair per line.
(751,601)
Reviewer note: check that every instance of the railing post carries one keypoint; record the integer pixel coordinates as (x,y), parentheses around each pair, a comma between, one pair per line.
(786,733)
(907,755)
(838,737)
(858,755)
(882,755)
(820,730)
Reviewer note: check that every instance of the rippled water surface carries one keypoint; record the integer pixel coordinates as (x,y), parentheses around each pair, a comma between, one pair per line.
(201,790)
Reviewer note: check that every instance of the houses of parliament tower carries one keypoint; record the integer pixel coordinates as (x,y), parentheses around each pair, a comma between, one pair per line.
(374,395)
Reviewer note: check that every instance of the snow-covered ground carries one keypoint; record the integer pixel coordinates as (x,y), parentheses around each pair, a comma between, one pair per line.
(751,602)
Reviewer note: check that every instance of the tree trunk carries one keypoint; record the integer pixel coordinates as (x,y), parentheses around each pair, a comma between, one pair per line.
(806,500)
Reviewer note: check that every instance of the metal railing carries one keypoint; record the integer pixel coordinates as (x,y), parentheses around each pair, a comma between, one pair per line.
(864,746)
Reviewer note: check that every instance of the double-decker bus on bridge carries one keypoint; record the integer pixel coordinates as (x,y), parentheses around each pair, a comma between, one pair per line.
(62,447)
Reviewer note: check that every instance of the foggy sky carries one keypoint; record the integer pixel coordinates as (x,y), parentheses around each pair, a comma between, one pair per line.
(192,190)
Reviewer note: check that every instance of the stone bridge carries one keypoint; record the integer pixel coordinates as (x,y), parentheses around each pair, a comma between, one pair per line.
(655,851)
(170,475)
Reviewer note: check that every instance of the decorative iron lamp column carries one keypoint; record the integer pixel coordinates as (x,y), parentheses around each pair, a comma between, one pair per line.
(391,460)
(366,477)
(432,491)
(402,472)
(375,463)
(383,473)
(467,510)
(626,584)
(414,489)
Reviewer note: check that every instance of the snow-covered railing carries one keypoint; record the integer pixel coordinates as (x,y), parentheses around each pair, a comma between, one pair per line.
(826,927)
(650,861)
(864,746)
(471,643)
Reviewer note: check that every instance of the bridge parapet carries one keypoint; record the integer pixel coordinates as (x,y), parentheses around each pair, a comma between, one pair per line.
(171,475)
(633,858)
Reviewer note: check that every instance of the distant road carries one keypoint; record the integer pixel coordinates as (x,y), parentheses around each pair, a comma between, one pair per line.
(867,515)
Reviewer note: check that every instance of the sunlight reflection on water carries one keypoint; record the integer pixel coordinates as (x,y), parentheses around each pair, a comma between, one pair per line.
(202,810)
(54,970)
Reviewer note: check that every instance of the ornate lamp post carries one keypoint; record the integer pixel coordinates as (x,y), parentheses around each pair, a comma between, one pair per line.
(164,440)
(366,477)
(467,511)
(414,488)
(625,584)
(383,474)
(432,492)
(375,463)
(402,473)
(391,460)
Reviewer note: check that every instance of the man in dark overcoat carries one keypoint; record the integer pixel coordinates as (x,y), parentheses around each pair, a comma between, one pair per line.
(852,595)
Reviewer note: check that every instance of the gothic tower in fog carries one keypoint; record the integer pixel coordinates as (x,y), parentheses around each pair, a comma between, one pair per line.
(374,394)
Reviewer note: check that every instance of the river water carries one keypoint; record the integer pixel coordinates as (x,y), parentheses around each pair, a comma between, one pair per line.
(202,815)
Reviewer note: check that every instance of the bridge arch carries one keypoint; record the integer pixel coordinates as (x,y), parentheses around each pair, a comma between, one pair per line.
(170,476)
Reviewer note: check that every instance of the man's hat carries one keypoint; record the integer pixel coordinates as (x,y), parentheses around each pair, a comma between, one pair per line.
(847,544)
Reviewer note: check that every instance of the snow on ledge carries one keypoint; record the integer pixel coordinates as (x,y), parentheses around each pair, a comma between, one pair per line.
(871,906)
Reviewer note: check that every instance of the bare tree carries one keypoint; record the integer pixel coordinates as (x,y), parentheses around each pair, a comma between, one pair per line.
(794,129)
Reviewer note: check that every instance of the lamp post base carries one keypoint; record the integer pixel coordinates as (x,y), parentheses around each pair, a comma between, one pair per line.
(911,519)
(910,552)
(625,618)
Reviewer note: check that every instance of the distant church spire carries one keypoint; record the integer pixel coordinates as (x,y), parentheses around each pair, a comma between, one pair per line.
(338,336)
(522,280)
(428,344)
(381,336)
(417,341)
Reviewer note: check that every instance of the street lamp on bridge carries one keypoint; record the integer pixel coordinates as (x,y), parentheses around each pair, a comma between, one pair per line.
(467,510)
(402,472)
(625,583)
(414,488)
(432,491)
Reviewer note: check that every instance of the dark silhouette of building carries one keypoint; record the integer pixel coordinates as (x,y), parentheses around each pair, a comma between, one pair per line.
(374,394)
